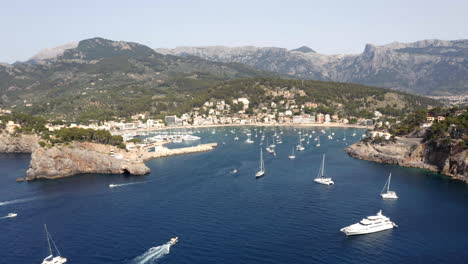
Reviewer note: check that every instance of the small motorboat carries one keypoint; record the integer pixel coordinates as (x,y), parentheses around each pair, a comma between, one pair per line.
(173,241)
(10,215)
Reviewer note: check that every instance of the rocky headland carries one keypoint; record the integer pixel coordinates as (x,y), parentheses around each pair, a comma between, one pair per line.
(437,156)
(63,160)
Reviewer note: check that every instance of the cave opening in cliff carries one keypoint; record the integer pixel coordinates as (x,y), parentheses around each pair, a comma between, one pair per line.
(126,172)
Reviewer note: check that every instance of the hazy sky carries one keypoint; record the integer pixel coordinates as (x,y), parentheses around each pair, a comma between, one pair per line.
(326,26)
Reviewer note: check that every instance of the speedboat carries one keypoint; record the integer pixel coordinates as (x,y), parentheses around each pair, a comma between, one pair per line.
(112,185)
(173,241)
(371,224)
(10,215)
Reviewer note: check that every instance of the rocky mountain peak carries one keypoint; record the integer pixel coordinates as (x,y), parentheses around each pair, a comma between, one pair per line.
(304,49)
(51,53)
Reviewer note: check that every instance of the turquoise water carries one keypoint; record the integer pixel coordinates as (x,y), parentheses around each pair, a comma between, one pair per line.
(221,217)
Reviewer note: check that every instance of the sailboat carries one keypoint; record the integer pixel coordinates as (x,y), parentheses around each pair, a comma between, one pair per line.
(249,140)
(51,259)
(299,147)
(388,194)
(318,144)
(292,156)
(321,178)
(261,172)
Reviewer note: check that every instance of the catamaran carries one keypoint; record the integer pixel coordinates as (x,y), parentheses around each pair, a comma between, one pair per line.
(261,172)
(321,178)
(386,193)
(51,259)
(292,156)
(371,224)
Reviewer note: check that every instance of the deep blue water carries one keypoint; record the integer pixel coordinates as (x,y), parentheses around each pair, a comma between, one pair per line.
(222,217)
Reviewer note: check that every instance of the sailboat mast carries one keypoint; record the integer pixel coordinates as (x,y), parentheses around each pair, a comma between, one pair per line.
(48,240)
(261,159)
(323,165)
(389,178)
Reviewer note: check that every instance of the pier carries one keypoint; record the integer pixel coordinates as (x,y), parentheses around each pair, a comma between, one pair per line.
(165,152)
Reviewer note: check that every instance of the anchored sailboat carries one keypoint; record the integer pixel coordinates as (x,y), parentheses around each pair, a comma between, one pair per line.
(386,193)
(261,172)
(292,156)
(299,147)
(51,259)
(321,178)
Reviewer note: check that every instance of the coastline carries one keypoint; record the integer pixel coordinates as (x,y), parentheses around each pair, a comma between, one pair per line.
(242,125)
(412,153)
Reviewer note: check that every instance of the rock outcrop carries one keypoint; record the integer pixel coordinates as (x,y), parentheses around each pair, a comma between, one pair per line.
(63,161)
(447,159)
(20,143)
(84,157)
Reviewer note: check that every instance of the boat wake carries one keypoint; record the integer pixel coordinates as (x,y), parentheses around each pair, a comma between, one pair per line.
(23,200)
(125,184)
(153,254)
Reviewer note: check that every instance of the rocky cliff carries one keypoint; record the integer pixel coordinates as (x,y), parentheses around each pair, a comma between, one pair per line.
(425,67)
(447,159)
(63,161)
(21,143)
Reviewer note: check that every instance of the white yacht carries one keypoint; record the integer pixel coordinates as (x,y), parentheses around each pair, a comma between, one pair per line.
(51,259)
(292,156)
(371,224)
(261,172)
(173,241)
(321,178)
(386,193)
(190,137)
(11,215)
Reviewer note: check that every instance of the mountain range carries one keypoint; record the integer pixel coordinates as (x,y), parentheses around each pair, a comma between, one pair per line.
(427,67)
(97,78)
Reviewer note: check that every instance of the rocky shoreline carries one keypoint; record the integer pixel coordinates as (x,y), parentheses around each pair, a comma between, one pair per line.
(66,160)
(438,157)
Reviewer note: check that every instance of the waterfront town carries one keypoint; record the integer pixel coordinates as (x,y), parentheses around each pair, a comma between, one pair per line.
(218,112)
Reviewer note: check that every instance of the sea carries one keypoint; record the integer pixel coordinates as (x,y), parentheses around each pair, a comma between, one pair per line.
(221,216)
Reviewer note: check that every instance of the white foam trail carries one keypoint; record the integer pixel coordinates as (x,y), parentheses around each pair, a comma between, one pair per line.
(23,200)
(153,254)
(124,184)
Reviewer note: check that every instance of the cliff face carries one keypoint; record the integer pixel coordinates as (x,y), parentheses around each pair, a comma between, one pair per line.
(446,159)
(18,144)
(63,161)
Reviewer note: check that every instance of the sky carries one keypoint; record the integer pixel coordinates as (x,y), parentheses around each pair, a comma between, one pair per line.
(327,26)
